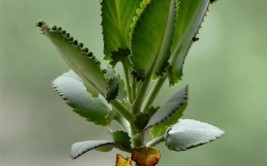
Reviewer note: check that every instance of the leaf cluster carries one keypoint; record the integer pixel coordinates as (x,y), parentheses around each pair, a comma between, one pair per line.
(150,39)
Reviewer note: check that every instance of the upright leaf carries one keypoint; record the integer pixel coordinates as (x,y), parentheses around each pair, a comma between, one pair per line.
(189,18)
(116,19)
(188,133)
(151,38)
(78,58)
(71,88)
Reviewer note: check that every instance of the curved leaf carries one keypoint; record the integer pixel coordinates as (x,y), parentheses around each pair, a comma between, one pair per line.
(70,87)
(188,133)
(78,58)
(172,110)
(79,148)
(151,38)
(146,156)
(116,19)
(188,21)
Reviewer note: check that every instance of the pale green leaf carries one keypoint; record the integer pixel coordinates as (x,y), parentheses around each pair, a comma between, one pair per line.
(188,133)
(172,110)
(70,87)
(116,19)
(151,38)
(190,17)
(79,148)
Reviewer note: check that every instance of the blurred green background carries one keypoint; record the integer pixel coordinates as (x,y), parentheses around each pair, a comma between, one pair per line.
(226,71)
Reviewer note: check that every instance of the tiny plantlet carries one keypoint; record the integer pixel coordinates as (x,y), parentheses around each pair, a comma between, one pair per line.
(150,39)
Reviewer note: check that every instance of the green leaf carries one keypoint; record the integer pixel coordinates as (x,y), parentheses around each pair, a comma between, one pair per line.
(189,19)
(122,138)
(141,120)
(78,58)
(158,130)
(116,19)
(116,84)
(79,148)
(188,133)
(151,38)
(172,110)
(70,87)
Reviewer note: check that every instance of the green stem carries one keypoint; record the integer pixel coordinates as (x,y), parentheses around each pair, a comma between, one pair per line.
(122,110)
(140,96)
(153,94)
(133,88)
(138,138)
(127,80)
(156,141)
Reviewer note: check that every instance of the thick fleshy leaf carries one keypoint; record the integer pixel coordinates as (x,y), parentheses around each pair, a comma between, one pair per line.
(145,156)
(122,138)
(151,38)
(188,133)
(79,148)
(121,161)
(71,88)
(172,110)
(189,18)
(116,19)
(78,58)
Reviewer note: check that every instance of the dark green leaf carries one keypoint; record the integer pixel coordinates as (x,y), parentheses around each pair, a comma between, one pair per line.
(116,19)
(151,38)
(70,87)
(188,133)
(122,138)
(117,82)
(113,89)
(189,17)
(141,120)
(172,110)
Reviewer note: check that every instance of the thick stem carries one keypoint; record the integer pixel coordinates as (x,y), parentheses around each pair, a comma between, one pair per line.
(153,94)
(138,138)
(140,96)
(127,80)
(134,87)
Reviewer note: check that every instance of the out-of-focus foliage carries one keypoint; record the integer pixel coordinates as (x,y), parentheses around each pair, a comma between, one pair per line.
(226,72)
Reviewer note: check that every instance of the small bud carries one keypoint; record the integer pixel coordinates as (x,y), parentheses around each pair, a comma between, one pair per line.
(54,28)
